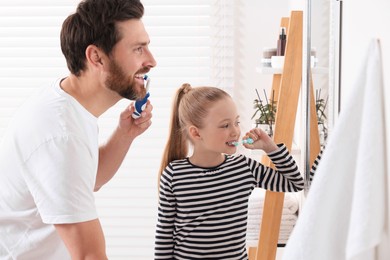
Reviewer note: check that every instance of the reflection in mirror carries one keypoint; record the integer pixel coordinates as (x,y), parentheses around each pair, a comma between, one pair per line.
(325,36)
(315,82)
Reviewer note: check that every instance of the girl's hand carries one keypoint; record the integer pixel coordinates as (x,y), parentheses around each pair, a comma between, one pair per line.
(261,140)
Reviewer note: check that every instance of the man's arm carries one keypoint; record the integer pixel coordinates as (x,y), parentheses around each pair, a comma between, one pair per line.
(84,240)
(112,153)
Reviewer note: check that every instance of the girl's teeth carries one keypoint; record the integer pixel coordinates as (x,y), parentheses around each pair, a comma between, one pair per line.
(232,143)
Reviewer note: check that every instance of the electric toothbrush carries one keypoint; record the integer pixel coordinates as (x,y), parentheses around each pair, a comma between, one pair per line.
(245,141)
(140,104)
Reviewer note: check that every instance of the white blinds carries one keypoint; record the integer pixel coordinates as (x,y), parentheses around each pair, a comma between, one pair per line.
(29,50)
(192,41)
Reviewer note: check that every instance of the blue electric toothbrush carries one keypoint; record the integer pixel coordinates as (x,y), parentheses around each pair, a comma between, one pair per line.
(140,104)
(245,141)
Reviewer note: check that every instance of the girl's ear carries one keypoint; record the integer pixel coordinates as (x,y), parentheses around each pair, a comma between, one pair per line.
(194,133)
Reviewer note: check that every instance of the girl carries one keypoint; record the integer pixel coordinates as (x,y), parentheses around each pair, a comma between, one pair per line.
(203,199)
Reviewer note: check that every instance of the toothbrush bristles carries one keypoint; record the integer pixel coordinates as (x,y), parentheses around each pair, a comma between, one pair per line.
(245,141)
(146,82)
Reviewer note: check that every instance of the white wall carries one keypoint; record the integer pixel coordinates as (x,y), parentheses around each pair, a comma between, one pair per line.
(363,21)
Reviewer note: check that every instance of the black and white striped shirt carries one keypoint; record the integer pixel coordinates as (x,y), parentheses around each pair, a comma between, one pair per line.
(314,166)
(203,211)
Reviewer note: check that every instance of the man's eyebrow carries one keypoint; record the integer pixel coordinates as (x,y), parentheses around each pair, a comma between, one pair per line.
(143,43)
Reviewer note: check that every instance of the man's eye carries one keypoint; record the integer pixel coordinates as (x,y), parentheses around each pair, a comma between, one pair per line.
(139,49)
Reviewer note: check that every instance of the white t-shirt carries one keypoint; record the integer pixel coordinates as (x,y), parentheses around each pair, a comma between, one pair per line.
(48,166)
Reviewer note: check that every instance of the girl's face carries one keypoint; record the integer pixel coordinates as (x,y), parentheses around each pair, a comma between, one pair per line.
(220,127)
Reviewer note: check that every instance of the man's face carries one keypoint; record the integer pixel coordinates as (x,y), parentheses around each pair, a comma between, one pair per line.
(130,60)
(123,84)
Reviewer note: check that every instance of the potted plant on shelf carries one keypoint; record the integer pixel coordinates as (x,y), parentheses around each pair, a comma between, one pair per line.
(265,113)
(321,117)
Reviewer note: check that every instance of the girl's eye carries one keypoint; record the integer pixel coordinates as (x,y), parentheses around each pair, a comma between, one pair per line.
(228,125)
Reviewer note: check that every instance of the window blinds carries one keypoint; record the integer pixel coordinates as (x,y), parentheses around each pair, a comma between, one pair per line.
(192,41)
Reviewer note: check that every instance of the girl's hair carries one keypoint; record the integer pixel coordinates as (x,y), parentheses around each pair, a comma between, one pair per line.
(94,22)
(190,106)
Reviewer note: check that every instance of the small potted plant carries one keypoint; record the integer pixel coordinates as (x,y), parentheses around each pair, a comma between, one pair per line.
(265,113)
(321,116)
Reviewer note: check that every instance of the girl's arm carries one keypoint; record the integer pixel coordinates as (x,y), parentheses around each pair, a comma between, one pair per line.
(286,177)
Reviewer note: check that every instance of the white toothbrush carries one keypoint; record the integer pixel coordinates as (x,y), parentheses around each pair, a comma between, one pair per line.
(140,104)
(245,141)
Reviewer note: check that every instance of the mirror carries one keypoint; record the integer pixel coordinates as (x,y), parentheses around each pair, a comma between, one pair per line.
(322,40)
(315,82)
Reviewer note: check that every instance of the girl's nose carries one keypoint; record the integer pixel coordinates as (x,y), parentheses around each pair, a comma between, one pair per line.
(236,131)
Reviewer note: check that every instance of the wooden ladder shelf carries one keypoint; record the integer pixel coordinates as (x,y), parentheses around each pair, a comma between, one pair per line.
(286,89)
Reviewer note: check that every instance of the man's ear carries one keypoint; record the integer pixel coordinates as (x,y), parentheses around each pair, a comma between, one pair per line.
(194,133)
(94,56)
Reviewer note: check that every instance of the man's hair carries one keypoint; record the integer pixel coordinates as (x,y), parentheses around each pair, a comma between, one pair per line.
(94,22)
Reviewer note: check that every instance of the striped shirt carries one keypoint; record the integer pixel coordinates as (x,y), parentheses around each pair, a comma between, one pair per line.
(203,211)
(314,166)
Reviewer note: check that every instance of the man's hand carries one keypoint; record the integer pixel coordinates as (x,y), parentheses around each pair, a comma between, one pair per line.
(130,127)
(112,153)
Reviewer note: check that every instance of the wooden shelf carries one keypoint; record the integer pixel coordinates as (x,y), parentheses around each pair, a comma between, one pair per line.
(286,85)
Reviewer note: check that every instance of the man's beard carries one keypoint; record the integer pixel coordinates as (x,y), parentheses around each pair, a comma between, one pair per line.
(123,85)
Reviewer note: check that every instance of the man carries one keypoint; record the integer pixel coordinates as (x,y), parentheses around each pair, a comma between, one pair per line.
(50,162)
